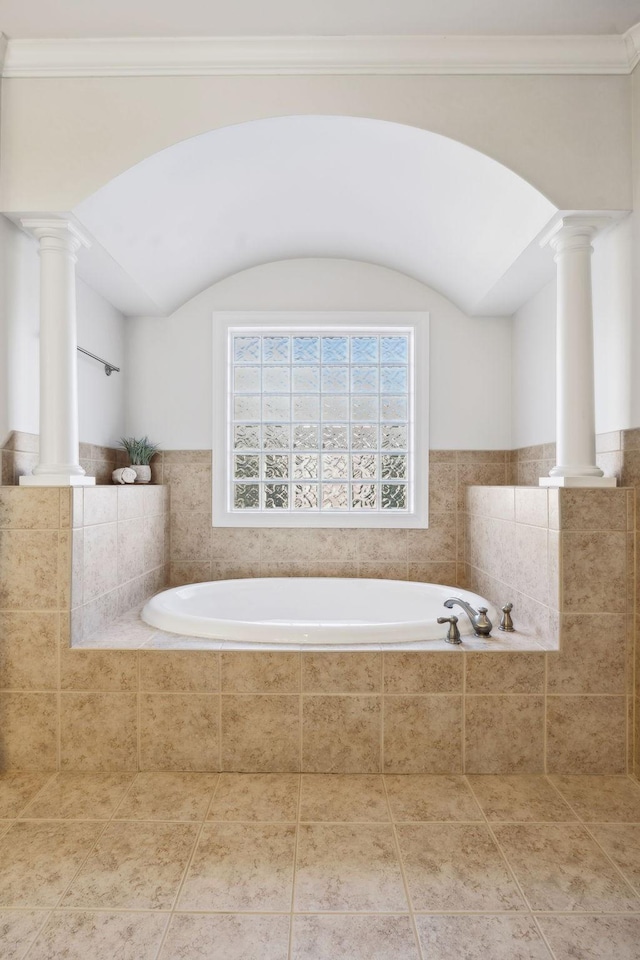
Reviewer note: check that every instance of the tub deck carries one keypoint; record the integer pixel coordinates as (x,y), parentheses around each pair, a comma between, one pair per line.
(130,632)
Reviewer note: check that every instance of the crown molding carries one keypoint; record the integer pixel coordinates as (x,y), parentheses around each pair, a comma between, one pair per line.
(632,41)
(295,56)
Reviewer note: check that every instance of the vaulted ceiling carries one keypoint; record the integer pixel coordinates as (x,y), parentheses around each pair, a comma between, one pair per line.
(316,186)
(339,187)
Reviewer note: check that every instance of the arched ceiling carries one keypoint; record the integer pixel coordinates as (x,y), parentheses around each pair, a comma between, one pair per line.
(338,187)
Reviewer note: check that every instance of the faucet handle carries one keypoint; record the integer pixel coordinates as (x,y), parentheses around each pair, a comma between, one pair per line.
(506,623)
(453,634)
(482,625)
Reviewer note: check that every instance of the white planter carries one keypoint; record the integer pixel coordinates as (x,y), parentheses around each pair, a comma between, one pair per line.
(143,473)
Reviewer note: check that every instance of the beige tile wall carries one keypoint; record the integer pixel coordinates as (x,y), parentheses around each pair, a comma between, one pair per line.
(399,712)
(566,560)
(364,713)
(120,548)
(618,455)
(20,456)
(436,555)
(35,563)
(512,549)
(528,464)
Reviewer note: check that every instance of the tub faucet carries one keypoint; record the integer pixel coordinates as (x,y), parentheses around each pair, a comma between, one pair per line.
(478,618)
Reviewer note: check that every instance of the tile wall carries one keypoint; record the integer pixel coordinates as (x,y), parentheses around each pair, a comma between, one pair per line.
(618,455)
(437,713)
(566,560)
(352,712)
(120,549)
(512,553)
(55,704)
(35,563)
(199,552)
(20,456)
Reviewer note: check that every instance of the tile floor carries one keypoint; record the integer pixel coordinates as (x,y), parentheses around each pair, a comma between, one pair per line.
(161,866)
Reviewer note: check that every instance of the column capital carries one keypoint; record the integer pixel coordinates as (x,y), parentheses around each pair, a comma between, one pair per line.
(51,228)
(576,230)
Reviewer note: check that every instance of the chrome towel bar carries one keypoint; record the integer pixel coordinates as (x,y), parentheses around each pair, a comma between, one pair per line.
(109,368)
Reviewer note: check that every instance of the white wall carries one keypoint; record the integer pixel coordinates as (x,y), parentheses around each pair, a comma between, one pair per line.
(533,369)
(616,347)
(100,329)
(616,354)
(170,359)
(567,135)
(19,331)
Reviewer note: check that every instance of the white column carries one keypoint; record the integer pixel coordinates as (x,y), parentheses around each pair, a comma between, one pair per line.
(58,464)
(575,404)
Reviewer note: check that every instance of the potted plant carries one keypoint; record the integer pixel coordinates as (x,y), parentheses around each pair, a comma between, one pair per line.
(140,454)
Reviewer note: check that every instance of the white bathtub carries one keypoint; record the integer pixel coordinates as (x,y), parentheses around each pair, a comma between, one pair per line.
(300,610)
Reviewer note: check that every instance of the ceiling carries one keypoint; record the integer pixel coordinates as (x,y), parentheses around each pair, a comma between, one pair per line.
(209,18)
(335,187)
(289,187)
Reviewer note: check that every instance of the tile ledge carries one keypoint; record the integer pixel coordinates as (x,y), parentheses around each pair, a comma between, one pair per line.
(129,632)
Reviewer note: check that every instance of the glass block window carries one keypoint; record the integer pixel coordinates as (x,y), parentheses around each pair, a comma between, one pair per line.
(319,424)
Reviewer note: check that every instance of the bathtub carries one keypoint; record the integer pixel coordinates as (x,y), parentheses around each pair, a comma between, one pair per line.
(301,610)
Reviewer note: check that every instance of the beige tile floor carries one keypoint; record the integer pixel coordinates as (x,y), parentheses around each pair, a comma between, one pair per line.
(281,867)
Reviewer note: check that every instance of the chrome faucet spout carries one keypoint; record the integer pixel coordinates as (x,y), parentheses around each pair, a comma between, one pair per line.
(478,619)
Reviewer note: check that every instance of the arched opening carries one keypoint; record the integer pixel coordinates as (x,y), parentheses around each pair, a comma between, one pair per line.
(316,186)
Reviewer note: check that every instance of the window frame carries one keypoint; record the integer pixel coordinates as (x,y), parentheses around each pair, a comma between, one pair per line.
(348,323)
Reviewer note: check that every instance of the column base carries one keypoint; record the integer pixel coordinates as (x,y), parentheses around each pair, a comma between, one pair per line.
(56,480)
(578,482)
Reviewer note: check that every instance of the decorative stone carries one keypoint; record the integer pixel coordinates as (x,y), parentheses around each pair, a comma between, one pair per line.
(124,475)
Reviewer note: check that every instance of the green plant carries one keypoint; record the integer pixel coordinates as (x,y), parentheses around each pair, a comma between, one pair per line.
(140,451)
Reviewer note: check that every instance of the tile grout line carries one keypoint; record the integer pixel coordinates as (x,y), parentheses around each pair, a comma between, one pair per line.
(510,869)
(124,796)
(187,867)
(139,712)
(219,658)
(636,892)
(48,914)
(382,709)
(85,859)
(463,731)
(630,605)
(544,718)
(405,882)
(627,731)
(585,825)
(26,806)
(67,615)
(320,823)
(295,864)
(635,746)
(210,693)
(512,914)
(301,717)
